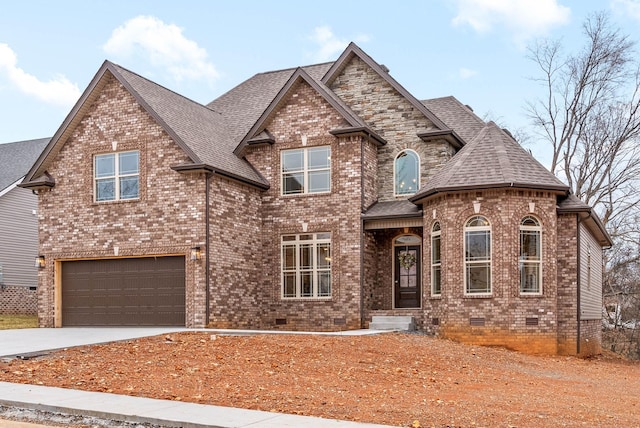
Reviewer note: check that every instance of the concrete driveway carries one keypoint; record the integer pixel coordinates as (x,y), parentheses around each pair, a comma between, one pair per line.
(25,342)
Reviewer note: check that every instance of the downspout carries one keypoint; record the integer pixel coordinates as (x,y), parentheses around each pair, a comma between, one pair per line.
(362,140)
(207,274)
(579,282)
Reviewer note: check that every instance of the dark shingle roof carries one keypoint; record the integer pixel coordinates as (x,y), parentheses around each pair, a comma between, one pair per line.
(572,204)
(204,132)
(392,209)
(17,158)
(244,104)
(491,160)
(457,116)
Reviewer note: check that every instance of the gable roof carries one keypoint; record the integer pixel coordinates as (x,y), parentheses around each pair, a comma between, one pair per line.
(457,116)
(198,130)
(354,50)
(242,105)
(299,75)
(493,159)
(16,159)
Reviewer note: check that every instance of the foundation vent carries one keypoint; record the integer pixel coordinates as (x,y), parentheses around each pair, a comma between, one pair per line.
(531,321)
(281,321)
(476,322)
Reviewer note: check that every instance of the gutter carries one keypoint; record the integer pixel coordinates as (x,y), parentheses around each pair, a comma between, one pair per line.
(362,232)
(462,188)
(579,282)
(201,167)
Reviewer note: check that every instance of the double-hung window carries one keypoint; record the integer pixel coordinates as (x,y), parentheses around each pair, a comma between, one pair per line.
(306,170)
(530,256)
(477,256)
(306,265)
(436,261)
(117,176)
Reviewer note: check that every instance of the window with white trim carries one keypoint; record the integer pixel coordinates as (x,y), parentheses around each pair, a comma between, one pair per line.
(406,169)
(436,261)
(530,256)
(306,170)
(116,176)
(306,265)
(477,256)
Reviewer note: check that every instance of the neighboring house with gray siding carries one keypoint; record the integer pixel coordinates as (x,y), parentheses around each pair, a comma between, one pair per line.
(18,228)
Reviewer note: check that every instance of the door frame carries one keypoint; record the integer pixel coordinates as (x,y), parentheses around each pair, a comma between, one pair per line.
(395,245)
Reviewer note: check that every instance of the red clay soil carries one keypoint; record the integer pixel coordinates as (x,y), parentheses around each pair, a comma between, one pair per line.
(394,379)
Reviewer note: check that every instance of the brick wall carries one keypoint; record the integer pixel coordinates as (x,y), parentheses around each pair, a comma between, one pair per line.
(18,300)
(590,338)
(567,256)
(168,218)
(394,118)
(235,267)
(507,316)
(306,114)
(304,119)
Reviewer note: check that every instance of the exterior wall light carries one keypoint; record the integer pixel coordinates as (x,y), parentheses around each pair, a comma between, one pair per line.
(40,262)
(195,254)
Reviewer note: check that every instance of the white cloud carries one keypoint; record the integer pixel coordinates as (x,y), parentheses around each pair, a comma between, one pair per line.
(523,18)
(627,7)
(163,45)
(330,45)
(466,73)
(59,91)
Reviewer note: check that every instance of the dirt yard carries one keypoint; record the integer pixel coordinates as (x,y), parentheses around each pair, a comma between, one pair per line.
(395,379)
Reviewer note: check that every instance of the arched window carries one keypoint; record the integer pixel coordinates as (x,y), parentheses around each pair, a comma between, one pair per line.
(530,256)
(477,255)
(407,172)
(436,261)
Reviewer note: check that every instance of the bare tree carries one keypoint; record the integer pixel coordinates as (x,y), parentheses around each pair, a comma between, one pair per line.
(590,114)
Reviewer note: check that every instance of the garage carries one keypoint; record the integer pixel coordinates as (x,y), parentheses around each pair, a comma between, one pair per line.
(123,292)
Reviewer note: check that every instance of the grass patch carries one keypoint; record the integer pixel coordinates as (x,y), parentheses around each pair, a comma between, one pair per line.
(10,322)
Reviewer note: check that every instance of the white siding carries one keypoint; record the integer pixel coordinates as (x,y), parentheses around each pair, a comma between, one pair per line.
(18,237)
(590,276)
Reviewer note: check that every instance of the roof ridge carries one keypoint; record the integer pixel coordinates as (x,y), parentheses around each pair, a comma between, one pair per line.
(292,68)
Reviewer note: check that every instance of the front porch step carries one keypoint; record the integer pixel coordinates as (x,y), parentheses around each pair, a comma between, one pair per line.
(403,323)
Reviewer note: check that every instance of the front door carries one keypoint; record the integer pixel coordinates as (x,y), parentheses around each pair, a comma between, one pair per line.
(407,276)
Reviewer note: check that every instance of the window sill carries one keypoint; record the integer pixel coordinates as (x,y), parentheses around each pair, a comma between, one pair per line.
(293,195)
(478,295)
(116,201)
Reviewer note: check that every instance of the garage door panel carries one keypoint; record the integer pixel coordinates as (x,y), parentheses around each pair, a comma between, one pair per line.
(124,292)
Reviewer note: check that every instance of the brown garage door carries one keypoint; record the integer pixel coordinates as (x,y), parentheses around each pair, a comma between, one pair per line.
(124,292)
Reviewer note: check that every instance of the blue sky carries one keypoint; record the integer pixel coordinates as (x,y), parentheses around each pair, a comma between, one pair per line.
(472,49)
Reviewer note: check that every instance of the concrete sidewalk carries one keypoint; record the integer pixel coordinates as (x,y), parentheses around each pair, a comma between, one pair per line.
(159,412)
(40,340)
(29,341)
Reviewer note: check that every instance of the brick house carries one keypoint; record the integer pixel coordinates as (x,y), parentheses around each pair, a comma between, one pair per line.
(312,198)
